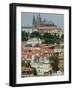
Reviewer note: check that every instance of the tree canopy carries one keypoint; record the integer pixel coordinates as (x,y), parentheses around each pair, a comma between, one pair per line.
(54,62)
(48,38)
(35,34)
(24,36)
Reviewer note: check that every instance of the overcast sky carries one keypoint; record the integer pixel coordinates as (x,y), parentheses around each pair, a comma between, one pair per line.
(27,18)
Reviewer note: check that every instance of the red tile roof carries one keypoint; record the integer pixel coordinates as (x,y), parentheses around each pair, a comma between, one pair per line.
(26,69)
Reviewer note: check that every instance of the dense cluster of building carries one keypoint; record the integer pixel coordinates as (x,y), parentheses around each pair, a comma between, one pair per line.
(39,56)
(37,53)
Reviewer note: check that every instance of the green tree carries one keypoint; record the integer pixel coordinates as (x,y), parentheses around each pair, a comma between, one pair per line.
(34,71)
(49,38)
(62,36)
(46,35)
(23,63)
(55,38)
(24,36)
(26,64)
(54,62)
(35,34)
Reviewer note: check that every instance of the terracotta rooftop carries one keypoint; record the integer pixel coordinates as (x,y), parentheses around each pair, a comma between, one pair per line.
(26,69)
(48,27)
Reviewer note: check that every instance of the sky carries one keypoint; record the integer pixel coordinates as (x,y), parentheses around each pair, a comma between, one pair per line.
(27,18)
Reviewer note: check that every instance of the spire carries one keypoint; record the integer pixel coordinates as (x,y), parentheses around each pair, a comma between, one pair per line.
(44,21)
(34,19)
(38,19)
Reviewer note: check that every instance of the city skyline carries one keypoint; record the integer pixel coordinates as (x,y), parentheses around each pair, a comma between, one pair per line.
(27,18)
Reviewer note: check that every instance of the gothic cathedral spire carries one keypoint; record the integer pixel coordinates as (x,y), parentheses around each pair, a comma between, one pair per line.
(34,20)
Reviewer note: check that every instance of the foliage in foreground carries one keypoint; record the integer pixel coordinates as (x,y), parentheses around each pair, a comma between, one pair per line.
(54,62)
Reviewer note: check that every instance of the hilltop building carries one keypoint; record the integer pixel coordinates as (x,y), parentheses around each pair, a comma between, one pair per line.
(43,26)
